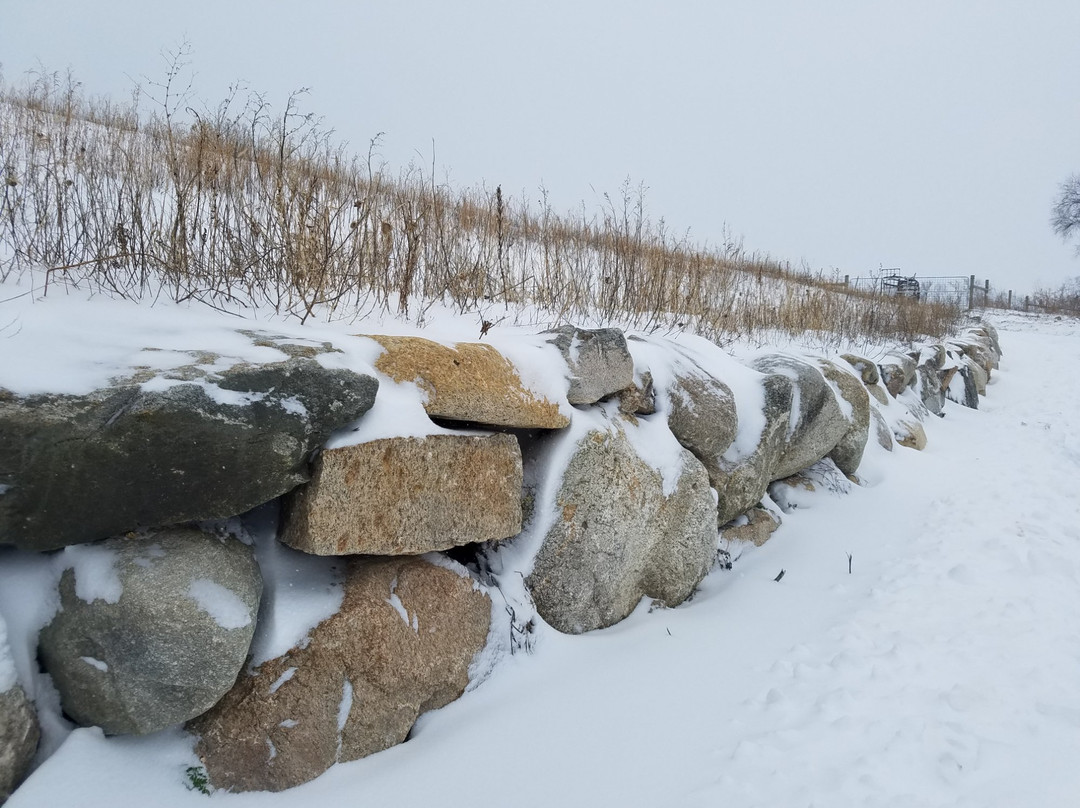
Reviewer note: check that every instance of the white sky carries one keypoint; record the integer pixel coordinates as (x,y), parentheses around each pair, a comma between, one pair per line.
(930,134)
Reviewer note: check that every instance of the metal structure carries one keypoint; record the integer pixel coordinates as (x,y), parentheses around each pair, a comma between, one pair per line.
(952,290)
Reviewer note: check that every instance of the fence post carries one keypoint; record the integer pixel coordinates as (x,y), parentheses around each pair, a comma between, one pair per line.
(986,294)
(1010,299)
(971,293)
(847,281)
(1025,302)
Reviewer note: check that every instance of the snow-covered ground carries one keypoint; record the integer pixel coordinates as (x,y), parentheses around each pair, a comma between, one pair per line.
(942,670)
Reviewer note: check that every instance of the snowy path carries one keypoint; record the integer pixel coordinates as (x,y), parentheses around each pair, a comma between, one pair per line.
(943,671)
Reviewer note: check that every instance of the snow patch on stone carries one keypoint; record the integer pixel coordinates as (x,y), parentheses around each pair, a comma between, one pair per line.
(94,567)
(221,603)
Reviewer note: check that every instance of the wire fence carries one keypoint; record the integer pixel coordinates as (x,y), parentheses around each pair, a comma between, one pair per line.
(959,291)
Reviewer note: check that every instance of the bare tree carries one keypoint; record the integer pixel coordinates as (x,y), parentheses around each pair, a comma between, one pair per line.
(1065,215)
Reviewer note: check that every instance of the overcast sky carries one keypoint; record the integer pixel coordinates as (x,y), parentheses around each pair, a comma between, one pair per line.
(928,134)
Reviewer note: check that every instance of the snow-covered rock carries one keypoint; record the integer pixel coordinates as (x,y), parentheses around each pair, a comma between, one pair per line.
(618,536)
(910,433)
(817,422)
(151,450)
(19,735)
(702,417)
(19,730)
(152,630)
(400,645)
(469,382)
(897,373)
(746,478)
(407,496)
(598,361)
(848,452)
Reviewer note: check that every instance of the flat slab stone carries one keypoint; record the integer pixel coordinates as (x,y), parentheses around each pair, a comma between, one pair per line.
(468,382)
(407,496)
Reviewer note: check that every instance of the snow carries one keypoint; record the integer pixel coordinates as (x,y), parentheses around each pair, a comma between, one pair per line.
(96,663)
(281,680)
(8,677)
(299,590)
(395,603)
(95,572)
(221,603)
(941,670)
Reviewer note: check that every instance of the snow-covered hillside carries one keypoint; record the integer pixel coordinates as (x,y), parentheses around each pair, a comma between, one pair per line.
(920,648)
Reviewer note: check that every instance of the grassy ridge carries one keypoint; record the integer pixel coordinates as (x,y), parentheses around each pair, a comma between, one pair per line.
(238,205)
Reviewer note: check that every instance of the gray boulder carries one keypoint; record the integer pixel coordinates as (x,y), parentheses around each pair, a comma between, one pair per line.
(882,432)
(151,631)
(744,480)
(848,451)
(929,386)
(702,418)
(963,388)
(401,644)
(617,537)
(817,423)
(19,735)
(191,446)
(598,360)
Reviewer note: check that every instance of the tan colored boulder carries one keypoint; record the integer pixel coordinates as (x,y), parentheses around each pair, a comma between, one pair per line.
(879,394)
(400,645)
(981,355)
(757,526)
(407,496)
(910,433)
(897,373)
(469,382)
(639,398)
(866,369)
(978,374)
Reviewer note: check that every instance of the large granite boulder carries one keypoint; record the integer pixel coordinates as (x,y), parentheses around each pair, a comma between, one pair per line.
(407,496)
(151,631)
(400,645)
(598,360)
(817,423)
(855,404)
(469,382)
(188,444)
(618,536)
(746,479)
(19,735)
(702,417)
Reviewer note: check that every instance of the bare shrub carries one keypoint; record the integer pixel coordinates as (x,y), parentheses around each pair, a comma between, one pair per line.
(238,206)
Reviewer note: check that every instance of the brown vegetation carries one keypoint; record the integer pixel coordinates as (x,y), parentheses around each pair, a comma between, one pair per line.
(239,207)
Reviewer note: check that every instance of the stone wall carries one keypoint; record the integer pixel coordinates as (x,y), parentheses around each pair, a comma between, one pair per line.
(609,481)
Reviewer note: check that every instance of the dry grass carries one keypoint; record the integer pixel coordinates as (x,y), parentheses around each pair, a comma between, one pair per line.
(238,206)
